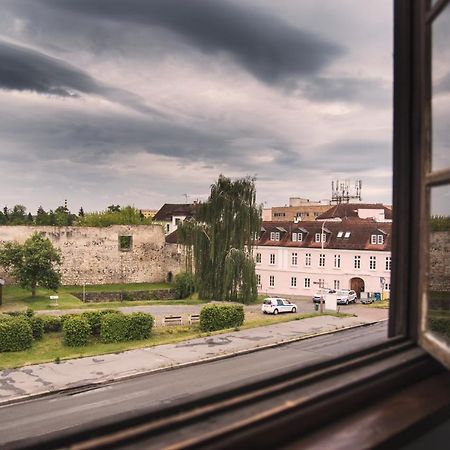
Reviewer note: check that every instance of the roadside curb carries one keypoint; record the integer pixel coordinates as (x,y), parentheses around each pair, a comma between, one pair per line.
(104,382)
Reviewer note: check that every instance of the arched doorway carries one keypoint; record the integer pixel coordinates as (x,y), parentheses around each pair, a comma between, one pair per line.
(357,284)
(169,277)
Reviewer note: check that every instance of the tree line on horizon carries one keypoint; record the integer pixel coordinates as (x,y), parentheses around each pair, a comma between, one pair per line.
(62,216)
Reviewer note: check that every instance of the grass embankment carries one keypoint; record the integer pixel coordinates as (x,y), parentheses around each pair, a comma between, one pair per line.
(382,304)
(52,348)
(17,299)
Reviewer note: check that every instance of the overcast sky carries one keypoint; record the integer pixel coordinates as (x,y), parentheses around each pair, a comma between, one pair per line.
(143,101)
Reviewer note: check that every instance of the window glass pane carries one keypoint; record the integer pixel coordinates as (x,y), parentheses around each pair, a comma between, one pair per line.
(440,158)
(438,320)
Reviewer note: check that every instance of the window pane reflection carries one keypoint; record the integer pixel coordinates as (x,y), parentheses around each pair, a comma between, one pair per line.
(439,267)
(441,91)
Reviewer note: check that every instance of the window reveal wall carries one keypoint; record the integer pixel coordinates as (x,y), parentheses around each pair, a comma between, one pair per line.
(116,254)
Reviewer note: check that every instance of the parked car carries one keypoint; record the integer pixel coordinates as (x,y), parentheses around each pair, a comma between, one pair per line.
(275,305)
(346,296)
(321,293)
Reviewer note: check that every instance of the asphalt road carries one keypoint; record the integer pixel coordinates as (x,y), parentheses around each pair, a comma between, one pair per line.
(61,411)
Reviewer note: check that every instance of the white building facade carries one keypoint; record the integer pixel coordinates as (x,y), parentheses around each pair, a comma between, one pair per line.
(293,260)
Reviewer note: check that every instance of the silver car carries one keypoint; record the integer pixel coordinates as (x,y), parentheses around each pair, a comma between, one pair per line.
(346,296)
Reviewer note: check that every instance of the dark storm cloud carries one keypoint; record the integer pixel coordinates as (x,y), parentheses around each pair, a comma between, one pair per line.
(269,48)
(25,69)
(28,70)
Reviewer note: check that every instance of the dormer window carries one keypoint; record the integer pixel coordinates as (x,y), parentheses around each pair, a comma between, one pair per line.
(274,235)
(377,239)
(318,239)
(347,234)
(340,234)
(297,237)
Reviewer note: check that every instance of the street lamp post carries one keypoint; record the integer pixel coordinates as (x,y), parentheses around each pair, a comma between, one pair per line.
(323,267)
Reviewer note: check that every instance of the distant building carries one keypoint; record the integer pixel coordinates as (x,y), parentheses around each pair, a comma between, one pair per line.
(299,209)
(355,255)
(172,214)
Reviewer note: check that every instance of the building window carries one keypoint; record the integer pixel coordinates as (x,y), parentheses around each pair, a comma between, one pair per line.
(271,280)
(307,282)
(167,227)
(258,279)
(373,239)
(322,260)
(294,259)
(297,237)
(258,258)
(340,234)
(380,239)
(177,221)
(274,235)
(388,263)
(272,258)
(293,281)
(321,282)
(357,262)
(372,262)
(347,234)
(318,236)
(125,243)
(308,259)
(387,287)
(337,261)
(336,285)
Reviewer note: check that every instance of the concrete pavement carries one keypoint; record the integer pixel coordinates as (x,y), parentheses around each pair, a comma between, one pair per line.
(39,379)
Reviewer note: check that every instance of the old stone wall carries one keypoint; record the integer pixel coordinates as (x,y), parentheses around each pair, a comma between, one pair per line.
(93,255)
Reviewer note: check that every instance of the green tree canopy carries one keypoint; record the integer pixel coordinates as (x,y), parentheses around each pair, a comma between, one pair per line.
(220,239)
(127,215)
(33,263)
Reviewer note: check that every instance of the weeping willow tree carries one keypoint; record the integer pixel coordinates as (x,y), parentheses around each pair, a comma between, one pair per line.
(219,241)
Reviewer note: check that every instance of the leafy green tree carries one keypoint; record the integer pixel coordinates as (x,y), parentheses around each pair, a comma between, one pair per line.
(34,263)
(18,215)
(127,215)
(3,218)
(220,239)
(29,219)
(114,208)
(42,217)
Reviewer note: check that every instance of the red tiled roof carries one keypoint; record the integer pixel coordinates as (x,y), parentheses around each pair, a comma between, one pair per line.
(359,239)
(350,210)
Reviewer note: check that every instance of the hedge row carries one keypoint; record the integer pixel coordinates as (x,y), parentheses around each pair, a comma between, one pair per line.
(110,325)
(219,317)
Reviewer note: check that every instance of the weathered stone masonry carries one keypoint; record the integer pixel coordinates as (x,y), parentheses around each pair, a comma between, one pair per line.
(93,255)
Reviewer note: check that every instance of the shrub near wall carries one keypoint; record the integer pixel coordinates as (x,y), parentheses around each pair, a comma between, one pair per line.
(219,317)
(140,326)
(76,331)
(15,334)
(37,327)
(114,328)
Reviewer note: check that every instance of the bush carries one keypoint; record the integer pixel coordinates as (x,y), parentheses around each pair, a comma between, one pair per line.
(15,334)
(114,328)
(37,327)
(219,317)
(140,326)
(184,284)
(51,323)
(94,319)
(76,331)
(65,317)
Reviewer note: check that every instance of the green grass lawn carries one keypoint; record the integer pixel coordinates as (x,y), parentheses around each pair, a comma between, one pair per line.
(15,298)
(51,347)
